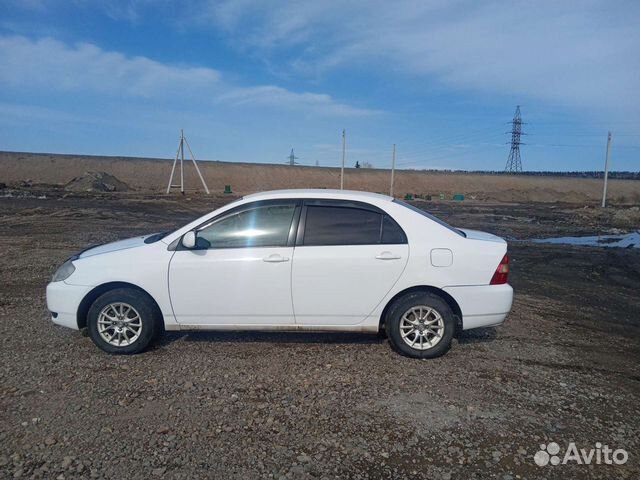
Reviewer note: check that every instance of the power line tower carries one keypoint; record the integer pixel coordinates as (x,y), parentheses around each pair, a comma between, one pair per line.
(180,156)
(514,163)
(292,158)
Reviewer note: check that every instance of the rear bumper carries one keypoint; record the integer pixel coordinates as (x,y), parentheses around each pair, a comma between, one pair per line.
(63,301)
(482,306)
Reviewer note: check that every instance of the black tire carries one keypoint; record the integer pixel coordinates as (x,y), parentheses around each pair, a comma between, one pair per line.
(406,303)
(142,304)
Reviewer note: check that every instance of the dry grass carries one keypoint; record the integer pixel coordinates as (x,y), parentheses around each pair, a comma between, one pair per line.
(152,175)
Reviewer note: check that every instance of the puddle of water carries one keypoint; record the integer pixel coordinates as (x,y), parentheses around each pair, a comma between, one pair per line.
(629,240)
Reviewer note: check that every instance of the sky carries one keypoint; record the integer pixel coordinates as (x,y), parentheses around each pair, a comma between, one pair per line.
(249,80)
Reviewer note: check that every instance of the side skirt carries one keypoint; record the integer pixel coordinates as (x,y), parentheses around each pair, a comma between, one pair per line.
(276,328)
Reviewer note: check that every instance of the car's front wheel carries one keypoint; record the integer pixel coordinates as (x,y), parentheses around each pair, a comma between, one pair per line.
(420,325)
(123,321)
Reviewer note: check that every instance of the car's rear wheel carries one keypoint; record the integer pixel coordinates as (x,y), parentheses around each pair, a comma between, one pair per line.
(420,325)
(123,321)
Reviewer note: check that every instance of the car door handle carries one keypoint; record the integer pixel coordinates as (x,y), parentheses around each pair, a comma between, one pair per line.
(275,258)
(388,256)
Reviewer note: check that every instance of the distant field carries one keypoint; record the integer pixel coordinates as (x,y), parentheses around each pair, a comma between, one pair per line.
(152,175)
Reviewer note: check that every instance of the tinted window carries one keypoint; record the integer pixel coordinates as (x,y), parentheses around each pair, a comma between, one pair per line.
(264,226)
(341,226)
(391,232)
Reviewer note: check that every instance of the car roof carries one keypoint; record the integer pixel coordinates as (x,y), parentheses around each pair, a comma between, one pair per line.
(319,193)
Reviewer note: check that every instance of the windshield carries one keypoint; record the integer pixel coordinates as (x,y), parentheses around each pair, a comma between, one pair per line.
(430,217)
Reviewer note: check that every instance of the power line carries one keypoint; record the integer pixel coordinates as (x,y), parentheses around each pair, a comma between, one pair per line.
(459,137)
(576,145)
(554,134)
(434,159)
(438,150)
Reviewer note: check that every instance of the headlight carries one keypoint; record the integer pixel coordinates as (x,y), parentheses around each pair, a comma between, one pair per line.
(64,271)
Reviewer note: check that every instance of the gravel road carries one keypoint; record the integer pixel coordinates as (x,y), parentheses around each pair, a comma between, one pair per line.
(563,368)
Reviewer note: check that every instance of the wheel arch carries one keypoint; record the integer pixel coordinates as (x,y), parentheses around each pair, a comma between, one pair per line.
(453,304)
(89,298)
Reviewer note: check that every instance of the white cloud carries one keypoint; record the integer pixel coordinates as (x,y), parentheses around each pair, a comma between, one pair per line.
(50,65)
(570,53)
(573,53)
(34,5)
(26,114)
(271,95)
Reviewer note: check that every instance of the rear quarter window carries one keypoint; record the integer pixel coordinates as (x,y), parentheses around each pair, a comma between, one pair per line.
(391,232)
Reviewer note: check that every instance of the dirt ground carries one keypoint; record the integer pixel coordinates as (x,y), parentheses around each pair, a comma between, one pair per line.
(563,368)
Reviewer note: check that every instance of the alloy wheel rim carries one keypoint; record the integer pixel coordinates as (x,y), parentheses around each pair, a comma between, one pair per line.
(421,327)
(119,324)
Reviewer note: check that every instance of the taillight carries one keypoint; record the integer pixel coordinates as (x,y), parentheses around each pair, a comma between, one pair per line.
(502,272)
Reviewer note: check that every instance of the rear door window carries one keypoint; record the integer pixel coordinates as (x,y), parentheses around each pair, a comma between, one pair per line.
(341,226)
(336,225)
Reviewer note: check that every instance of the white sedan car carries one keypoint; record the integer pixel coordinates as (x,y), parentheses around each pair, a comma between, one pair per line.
(291,260)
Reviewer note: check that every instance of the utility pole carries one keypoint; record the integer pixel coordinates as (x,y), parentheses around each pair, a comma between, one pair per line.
(606,171)
(393,169)
(344,147)
(180,156)
(173,168)
(514,163)
(182,161)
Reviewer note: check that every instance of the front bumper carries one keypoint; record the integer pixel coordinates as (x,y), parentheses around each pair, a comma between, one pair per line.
(63,300)
(483,305)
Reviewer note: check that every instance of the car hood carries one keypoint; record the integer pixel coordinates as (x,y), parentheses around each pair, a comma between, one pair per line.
(113,246)
(478,235)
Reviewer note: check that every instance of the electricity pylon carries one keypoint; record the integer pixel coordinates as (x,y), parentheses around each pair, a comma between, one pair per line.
(292,158)
(514,162)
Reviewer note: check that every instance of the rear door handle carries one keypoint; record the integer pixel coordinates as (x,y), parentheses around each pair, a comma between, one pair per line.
(387,256)
(275,258)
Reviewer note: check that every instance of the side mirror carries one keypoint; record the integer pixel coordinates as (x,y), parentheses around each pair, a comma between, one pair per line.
(189,240)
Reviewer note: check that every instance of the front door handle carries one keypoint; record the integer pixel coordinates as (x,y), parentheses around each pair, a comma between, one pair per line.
(275,258)
(388,256)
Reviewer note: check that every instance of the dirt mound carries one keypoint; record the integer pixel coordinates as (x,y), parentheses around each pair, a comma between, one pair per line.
(96,182)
